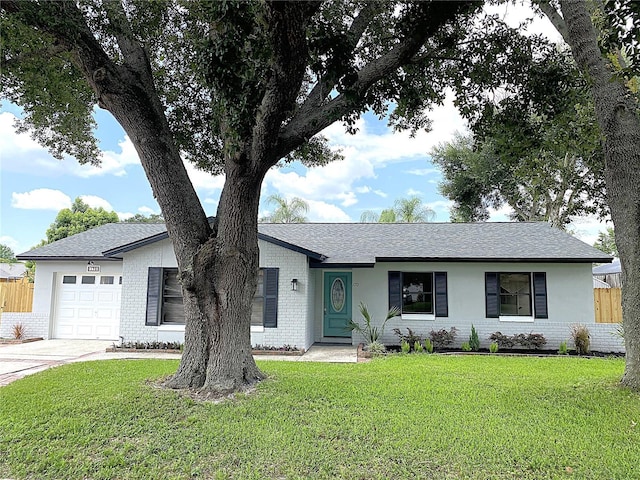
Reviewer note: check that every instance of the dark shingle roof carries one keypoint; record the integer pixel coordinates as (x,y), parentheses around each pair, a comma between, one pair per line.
(365,243)
(362,244)
(90,244)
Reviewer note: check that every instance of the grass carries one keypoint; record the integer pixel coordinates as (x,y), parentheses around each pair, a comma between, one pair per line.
(416,416)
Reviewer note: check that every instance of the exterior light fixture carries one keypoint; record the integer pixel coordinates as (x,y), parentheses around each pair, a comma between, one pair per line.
(294,284)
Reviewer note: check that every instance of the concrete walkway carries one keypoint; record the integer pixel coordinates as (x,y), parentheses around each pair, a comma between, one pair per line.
(18,361)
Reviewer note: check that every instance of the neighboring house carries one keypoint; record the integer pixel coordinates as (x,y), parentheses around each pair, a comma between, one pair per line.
(120,280)
(12,272)
(609,273)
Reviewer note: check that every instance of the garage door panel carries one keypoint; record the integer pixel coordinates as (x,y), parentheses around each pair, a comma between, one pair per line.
(67,296)
(87,296)
(87,310)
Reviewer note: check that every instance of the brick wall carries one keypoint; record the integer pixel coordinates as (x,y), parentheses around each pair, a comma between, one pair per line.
(36,324)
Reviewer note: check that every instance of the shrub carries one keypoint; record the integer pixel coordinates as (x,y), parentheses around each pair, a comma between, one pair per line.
(443,338)
(411,338)
(466,347)
(418,348)
(376,348)
(581,338)
(503,341)
(405,347)
(562,349)
(619,331)
(530,340)
(493,348)
(428,346)
(18,330)
(371,333)
(474,341)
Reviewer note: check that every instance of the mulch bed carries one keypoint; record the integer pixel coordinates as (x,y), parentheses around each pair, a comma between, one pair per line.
(13,341)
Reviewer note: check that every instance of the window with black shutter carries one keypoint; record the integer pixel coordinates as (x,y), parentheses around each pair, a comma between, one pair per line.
(419,292)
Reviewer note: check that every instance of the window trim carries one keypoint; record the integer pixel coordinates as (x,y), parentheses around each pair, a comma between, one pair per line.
(439,295)
(156,296)
(538,297)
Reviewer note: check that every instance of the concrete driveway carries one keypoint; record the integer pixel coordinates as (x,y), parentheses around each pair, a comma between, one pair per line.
(17,361)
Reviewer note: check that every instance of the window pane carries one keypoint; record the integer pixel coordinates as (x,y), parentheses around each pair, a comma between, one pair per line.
(515,294)
(88,279)
(417,292)
(257,306)
(69,279)
(172,304)
(106,280)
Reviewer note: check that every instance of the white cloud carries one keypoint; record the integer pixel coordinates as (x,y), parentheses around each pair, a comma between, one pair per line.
(203,181)
(10,242)
(421,172)
(320,211)
(380,193)
(414,193)
(113,163)
(442,209)
(146,210)
(22,154)
(124,215)
(41,199)
(96,202)
(501,214)
(363,189)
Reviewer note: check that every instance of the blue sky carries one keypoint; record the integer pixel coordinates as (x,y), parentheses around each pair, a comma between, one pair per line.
(379,167)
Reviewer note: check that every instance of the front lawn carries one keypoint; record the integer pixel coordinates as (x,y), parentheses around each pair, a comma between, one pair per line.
(418,416)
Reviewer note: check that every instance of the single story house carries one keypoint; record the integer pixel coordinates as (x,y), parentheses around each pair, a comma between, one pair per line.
(119,281)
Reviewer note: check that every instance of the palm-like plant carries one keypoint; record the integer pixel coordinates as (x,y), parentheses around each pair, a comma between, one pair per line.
(371,333)
(405,210)
(411,210)
(291,211)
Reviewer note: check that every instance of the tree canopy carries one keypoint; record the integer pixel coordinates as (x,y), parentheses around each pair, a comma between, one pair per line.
(141,218)
(606,242)
(7,254)
(537,149)
(78,218)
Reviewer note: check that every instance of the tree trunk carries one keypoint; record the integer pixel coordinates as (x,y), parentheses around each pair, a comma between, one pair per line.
(616,112)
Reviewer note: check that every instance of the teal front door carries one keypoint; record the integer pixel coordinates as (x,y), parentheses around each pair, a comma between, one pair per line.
(337,304)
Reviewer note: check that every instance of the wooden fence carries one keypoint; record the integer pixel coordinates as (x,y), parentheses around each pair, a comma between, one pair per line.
(16,296)
(608,305)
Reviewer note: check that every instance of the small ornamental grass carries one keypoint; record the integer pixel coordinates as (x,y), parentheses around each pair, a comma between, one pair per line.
(540,418)
(581,338)
(19,331)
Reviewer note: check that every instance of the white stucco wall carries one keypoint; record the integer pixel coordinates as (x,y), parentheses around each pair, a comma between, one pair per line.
(39,322)
(292,306)
(569,300)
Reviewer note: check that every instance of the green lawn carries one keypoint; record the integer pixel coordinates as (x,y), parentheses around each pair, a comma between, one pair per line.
(419,416)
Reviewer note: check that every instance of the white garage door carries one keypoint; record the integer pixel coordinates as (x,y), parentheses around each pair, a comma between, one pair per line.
(88,306)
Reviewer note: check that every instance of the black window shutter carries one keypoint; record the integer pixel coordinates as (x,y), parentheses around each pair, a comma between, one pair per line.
(154,296)
(270,319)
(441,303)
(540,295)
(395,290)
(492,294)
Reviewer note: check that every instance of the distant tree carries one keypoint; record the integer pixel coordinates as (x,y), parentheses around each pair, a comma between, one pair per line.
(537,150)
(287,211)
(404,210)
(606,242)
(140,218)
(78,218)
(6,254)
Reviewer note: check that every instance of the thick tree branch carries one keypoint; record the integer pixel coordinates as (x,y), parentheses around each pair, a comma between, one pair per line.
(287,32)
(426,19)
(554,16)
(357,29)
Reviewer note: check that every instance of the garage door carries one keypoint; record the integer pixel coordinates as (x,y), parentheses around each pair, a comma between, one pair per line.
(88,306)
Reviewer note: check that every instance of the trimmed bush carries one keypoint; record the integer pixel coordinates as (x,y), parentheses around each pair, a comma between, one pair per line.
(474,341)
(581,338)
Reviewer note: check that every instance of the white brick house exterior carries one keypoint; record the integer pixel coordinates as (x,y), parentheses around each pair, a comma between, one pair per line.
(338,267)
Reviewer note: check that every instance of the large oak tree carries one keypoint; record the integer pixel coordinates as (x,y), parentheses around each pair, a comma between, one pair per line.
(234,87)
